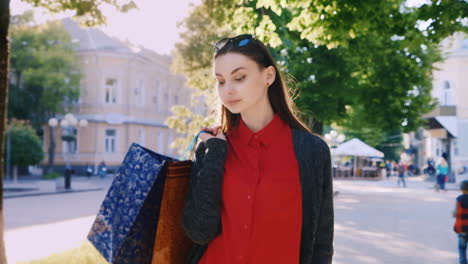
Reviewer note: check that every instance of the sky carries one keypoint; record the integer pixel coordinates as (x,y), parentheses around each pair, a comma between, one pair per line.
(153,26)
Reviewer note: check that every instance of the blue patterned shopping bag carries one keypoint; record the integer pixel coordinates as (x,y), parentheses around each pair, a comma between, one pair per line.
(125,226)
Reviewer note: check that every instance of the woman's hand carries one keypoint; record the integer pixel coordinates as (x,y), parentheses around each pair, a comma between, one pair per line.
(215,132)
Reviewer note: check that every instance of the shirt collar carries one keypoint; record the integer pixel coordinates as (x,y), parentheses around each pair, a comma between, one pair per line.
(263,137)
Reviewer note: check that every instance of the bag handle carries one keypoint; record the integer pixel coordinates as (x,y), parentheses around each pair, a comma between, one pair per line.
(191,145)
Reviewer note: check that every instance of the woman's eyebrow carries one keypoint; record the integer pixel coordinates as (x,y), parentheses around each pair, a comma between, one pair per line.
(239,68)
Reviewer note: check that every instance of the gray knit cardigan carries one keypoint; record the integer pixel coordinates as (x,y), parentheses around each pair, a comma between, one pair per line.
(201,219)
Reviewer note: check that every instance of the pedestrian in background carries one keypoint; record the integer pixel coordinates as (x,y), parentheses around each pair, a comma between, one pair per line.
(461,225)
(395,168)
(388,168)
(430,170)
(442,174)
(89,170)
(401,174)
(102,169)
(383,169)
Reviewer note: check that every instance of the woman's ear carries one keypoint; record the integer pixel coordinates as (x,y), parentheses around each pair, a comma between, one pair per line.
(270,75)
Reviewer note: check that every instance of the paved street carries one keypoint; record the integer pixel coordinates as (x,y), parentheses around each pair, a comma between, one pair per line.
(380,224)
(376,222)
(38,226)
(44,209)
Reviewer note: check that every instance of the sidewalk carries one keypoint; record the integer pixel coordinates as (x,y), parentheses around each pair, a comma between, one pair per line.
(34,186)
(40,241)
(413,182)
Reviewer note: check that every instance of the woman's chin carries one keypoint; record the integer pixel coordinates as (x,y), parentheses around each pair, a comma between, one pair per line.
(234,110)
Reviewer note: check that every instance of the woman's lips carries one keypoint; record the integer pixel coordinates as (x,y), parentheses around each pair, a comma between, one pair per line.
(233,102)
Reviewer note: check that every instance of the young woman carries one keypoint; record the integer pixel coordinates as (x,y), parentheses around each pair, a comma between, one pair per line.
(261,186)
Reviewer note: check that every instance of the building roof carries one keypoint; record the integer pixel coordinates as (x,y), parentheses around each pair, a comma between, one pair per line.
(94,39)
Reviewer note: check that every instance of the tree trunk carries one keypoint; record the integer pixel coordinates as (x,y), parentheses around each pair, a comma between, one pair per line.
(3,259)
(8,156)
(4,68)
(15,173)
(50,166)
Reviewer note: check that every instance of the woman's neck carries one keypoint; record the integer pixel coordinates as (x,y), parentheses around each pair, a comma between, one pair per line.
(258,118)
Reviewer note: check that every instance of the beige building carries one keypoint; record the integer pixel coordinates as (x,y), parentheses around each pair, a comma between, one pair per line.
(447,125)
(126,95)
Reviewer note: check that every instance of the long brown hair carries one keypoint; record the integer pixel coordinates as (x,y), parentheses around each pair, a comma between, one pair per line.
(278,92)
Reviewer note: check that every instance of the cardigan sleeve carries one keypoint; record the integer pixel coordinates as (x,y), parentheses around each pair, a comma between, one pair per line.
(201,216)
(323,246)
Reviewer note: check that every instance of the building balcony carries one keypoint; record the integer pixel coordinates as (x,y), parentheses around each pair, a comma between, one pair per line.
(442,110)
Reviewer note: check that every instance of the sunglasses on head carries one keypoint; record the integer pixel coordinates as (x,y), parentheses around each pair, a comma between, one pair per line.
(237,41)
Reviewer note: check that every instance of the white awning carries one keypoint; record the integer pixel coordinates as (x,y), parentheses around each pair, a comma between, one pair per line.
(356,147)
(450,123)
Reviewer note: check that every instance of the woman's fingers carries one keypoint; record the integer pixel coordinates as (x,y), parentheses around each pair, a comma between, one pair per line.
(221,136)
(213,132)
(205,136)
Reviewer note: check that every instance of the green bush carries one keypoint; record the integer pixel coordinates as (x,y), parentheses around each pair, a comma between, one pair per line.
(51,175)
(26,146)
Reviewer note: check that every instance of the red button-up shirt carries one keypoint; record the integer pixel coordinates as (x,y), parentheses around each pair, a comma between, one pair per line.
(261,212)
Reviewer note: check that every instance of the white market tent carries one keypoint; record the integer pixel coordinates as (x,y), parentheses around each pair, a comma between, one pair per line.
(356,148)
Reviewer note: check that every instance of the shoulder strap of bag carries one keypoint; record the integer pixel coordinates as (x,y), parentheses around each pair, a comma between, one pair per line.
(189,148)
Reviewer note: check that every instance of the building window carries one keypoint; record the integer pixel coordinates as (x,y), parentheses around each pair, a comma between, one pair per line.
(140,93)
(176,99)
(141,136)
(446,94)
(156,97)
(166,102)
(446,85)
(110,96)
(110,141)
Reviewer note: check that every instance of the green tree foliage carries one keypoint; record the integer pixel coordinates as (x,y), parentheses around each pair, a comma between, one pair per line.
(193,58)
(26,146)
(359,64)
(46,72)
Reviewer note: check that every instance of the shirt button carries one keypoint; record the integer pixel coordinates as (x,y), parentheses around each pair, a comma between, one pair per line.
(246,227)
(255,136)
(240,257)
(249,197)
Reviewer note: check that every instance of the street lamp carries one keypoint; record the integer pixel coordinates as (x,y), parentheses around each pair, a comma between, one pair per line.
(334,138)
(69,123)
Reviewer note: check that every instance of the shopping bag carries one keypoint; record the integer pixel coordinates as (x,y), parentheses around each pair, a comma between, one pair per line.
(171,244)
(125,226)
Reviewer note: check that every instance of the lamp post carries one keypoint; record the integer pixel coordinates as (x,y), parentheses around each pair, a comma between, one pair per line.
(334,138)
(68,123)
